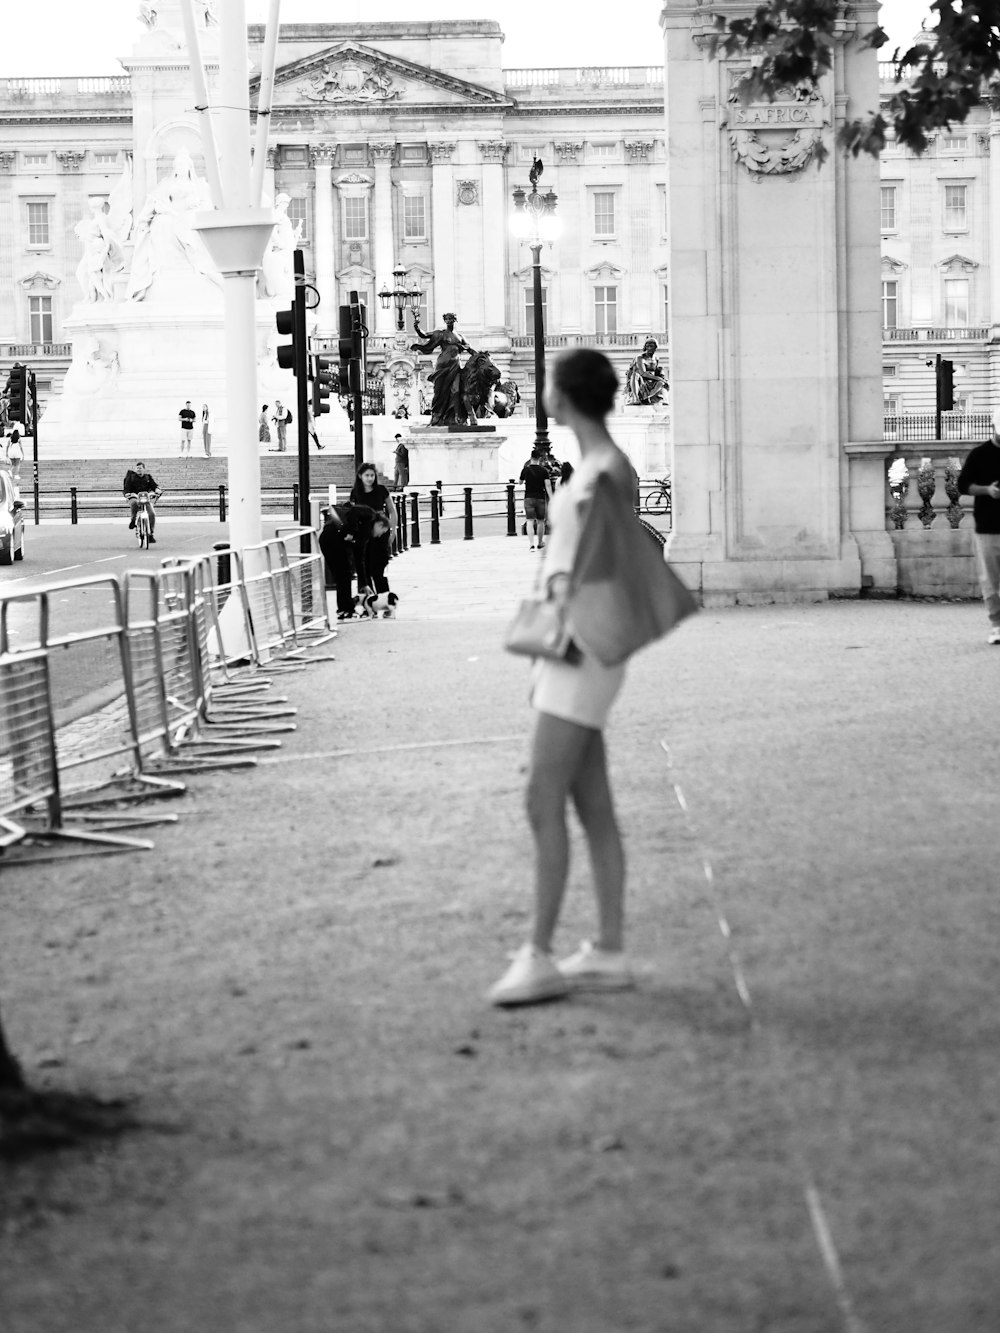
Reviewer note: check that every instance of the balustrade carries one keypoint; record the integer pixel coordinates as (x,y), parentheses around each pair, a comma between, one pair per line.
(926,490)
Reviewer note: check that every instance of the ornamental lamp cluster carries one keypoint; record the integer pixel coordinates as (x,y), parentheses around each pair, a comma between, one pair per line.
(534,217)
(403,297)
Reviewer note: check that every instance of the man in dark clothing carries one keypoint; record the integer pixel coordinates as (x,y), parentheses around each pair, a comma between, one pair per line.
(138,479)
(537,480)
(980,478)
(348,530)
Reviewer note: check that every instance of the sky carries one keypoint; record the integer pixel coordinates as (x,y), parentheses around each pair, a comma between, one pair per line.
(67,37)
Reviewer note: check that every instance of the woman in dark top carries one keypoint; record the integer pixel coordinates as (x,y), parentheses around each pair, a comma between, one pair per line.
(372,556)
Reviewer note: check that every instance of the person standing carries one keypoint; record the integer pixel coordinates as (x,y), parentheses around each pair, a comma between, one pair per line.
(186,415)
(572,700)
(281,418)
(401,473)
(980,478)
(206,431)
(537,487)
(15,454)
(372,556)
(263,427)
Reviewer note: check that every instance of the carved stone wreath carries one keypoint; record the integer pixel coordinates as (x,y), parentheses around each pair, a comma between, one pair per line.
(761,159)
(775,138)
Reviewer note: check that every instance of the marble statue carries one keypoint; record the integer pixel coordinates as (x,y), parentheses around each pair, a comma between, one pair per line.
(164,228)
(277,276)
(103,255)
(645,382)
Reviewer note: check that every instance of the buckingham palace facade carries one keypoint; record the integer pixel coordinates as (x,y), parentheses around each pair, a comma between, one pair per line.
(399,146)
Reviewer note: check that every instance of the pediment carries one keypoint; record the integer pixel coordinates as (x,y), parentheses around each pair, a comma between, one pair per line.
(890,265)
(958,263)
(353,74)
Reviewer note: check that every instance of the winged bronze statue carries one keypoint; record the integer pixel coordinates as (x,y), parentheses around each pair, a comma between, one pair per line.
(536,171)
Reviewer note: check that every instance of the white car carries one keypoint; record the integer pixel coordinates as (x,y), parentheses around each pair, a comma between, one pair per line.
(11,519)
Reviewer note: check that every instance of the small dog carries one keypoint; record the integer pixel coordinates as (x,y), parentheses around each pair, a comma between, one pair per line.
(375,606)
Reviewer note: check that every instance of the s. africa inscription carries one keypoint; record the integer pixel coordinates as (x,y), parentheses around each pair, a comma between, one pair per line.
(779,137)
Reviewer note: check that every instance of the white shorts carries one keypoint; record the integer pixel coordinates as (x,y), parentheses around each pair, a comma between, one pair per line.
(582,694)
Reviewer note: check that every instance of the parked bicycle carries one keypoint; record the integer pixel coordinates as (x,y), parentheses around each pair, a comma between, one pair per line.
(659,499)
(144,502)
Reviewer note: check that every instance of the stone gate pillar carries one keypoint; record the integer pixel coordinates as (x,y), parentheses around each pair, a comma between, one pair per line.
(775,338)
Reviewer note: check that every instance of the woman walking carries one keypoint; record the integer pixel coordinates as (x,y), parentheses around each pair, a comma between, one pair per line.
(572,699)
(206,430)
(263,427)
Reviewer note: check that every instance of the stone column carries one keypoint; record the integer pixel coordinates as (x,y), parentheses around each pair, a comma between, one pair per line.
(993,211)
(7,234)
(383,245)
(324,240)
(572,205)
(443,223)
(775,336)
(641,209)
(494,213)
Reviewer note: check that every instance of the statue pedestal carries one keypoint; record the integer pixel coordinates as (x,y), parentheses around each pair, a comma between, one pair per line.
(441,453)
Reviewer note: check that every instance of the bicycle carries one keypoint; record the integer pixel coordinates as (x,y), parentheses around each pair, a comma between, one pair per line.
(143,525)
(659,500)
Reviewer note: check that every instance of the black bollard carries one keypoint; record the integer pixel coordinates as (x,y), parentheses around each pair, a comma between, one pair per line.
(295,502)
(440,491)
(468,513)
(435,521)
(73,516)
(222,504)
(415,516)
(511,511)
(222,562)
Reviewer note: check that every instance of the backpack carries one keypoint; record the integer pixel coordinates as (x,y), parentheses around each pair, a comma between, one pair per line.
(288,417)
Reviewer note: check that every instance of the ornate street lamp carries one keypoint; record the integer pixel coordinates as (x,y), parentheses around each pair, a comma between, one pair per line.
(402,296)
(535,222)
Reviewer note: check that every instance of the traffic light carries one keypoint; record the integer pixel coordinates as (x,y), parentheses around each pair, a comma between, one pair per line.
(291,356)
(17,394)
(946,385)
(323,380)
(345,347)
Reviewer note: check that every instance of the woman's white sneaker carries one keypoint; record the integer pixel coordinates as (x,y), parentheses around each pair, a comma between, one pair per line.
(531,978)
(597,969)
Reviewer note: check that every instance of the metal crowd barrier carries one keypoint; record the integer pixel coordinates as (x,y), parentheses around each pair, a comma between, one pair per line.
(150,690)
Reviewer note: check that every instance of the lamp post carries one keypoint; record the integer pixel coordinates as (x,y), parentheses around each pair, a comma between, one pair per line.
(535,222)
(402,296)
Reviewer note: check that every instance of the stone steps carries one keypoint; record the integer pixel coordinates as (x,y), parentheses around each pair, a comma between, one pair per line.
(179,475)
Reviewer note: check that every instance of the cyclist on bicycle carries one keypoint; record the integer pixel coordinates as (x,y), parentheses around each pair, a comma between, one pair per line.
(138,479)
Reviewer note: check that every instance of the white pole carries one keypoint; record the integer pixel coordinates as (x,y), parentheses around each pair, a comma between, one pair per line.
(264,101)
(239,288)
(201,103)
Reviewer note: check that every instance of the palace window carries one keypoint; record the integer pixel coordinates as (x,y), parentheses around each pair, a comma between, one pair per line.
(298,211)
(40,318)
(888,208)
(293,156)
(956,207)
(105,159)
(529,309)
(36,159)
(603,150)
(954,143)
(38,223)
(890,303)
(605,309)
(956,302)
(604,213)
(355,156)
(355,217)
(666,307)
(413,152)
(414,217)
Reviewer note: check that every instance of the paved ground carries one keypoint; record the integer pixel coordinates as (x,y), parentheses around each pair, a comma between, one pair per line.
(799,1104)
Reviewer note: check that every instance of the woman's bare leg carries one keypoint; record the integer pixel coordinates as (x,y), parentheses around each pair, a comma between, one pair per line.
(591,794)
(557,753)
